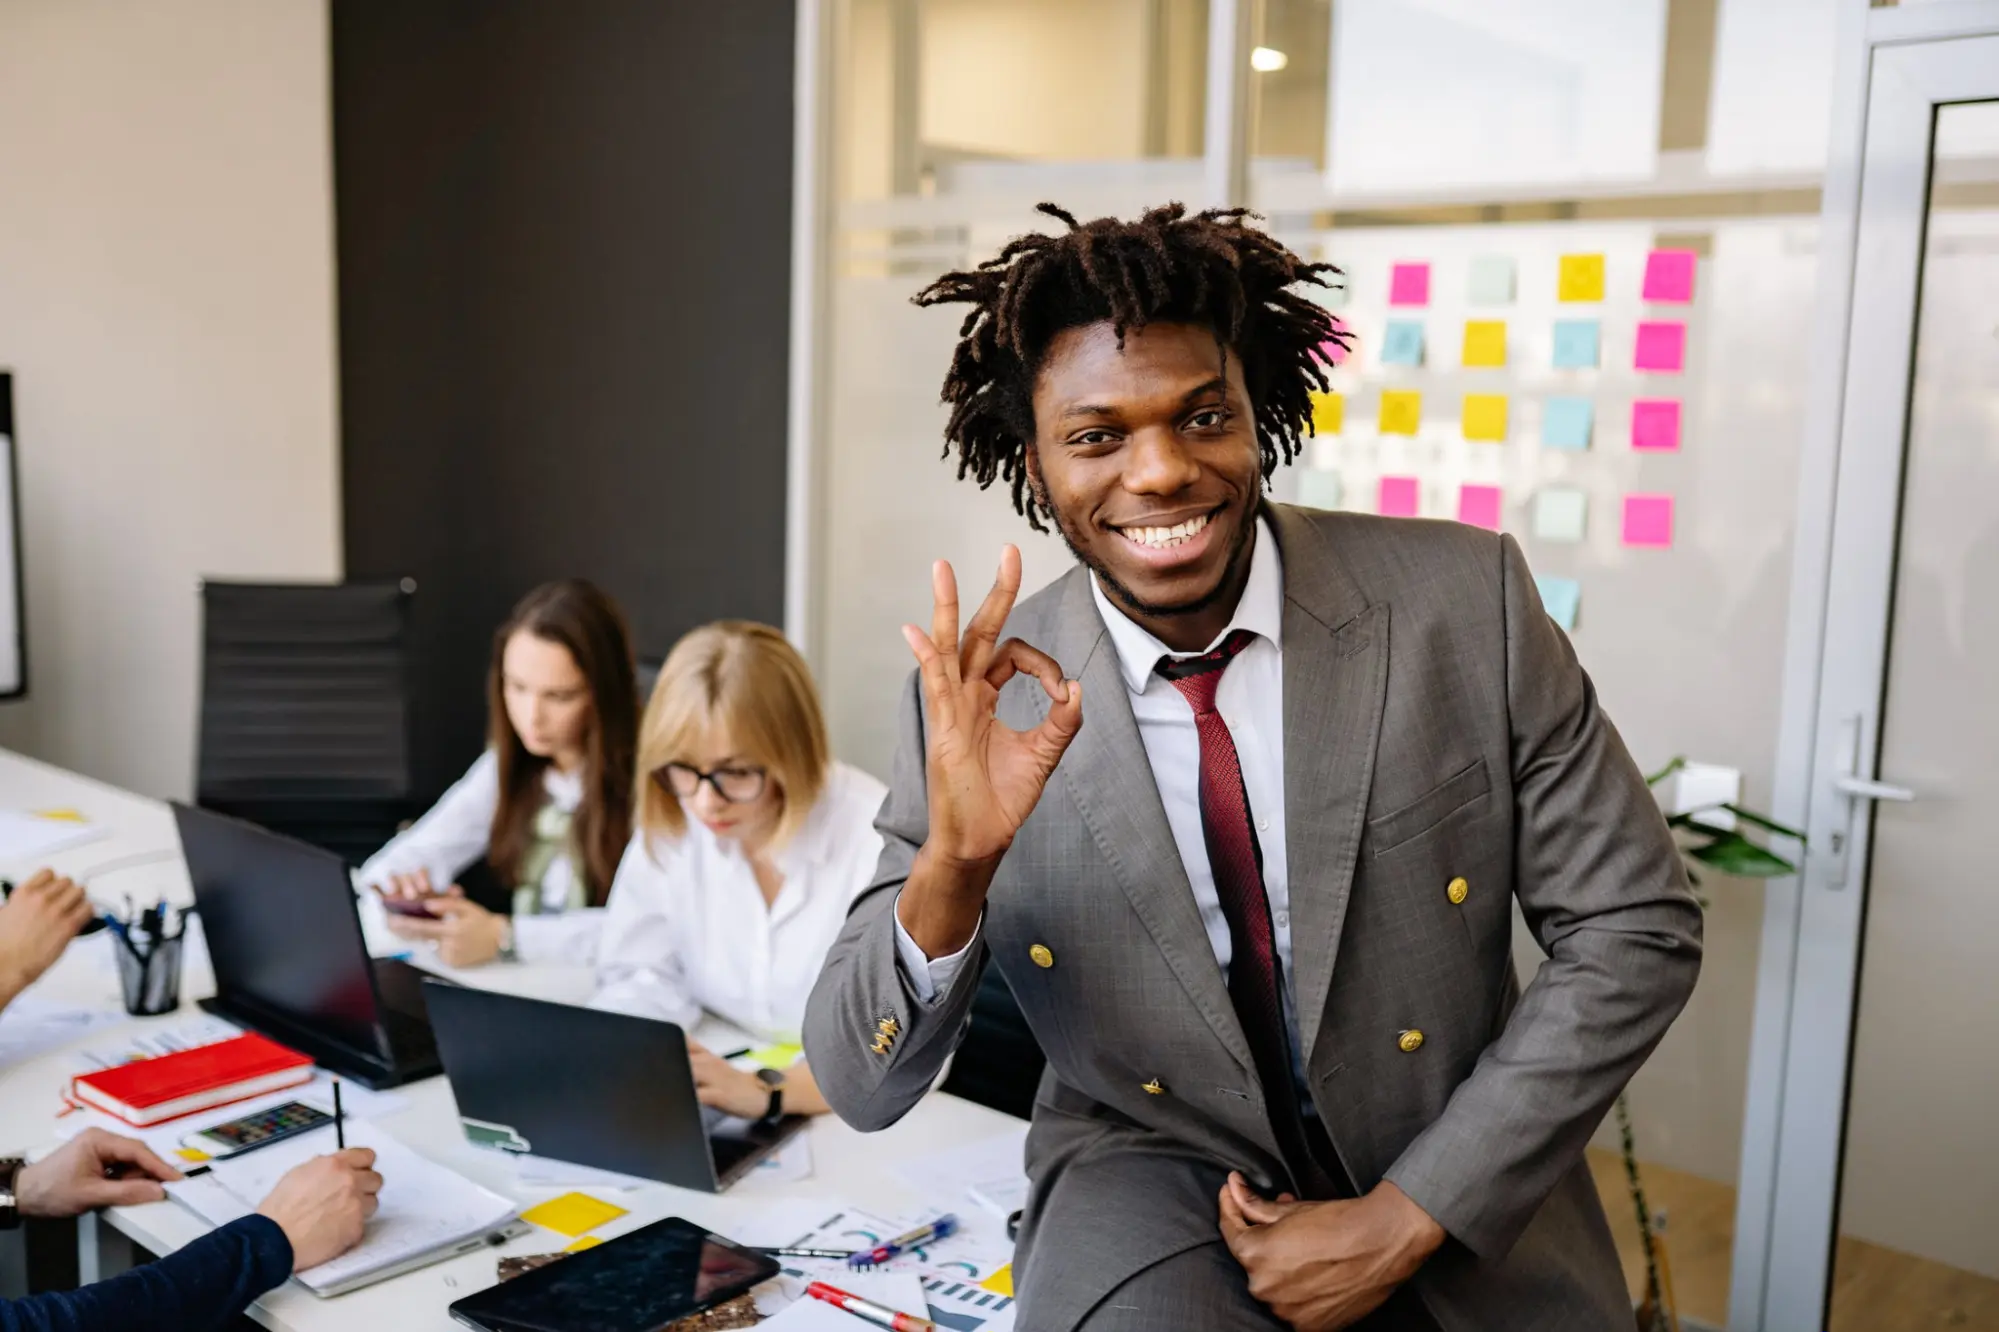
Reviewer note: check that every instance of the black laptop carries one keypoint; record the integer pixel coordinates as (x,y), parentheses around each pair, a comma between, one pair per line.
(581,1085)
(285,937)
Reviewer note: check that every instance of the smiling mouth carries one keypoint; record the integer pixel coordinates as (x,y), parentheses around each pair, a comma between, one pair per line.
(1154,538)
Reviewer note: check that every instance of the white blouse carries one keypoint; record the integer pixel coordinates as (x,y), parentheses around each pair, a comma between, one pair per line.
(453,835)
(686,928)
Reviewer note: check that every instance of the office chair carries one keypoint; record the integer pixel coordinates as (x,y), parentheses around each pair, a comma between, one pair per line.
(646,671)
(999,1062)
(305,709)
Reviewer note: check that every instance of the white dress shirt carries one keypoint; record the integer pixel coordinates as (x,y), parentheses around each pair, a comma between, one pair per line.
(1250,699)
(454,834)
(687,929)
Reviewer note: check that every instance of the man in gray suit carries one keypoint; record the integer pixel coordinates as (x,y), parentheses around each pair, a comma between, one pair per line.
(1240,807)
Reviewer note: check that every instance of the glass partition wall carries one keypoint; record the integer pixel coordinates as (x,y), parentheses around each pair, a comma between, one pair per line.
(1581,255)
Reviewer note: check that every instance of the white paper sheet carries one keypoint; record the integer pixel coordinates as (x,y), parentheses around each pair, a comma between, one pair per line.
(32,1025)
(987,1172)
(26,837)
(424,1206)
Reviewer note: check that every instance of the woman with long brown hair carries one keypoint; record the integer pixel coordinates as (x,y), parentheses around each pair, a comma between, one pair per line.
(549,803)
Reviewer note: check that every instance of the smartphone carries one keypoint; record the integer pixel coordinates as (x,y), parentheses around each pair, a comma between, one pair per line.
(257,1129)
(402,906)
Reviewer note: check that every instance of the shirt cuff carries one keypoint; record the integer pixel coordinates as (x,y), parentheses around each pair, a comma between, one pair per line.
(926,975)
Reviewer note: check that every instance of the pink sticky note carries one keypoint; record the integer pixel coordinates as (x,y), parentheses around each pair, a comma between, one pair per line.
(1330,352)
(1479,506)
(1655,425)
(1648,520)
(1662,345)
(1669,276)
(1409,284)
(1398,497)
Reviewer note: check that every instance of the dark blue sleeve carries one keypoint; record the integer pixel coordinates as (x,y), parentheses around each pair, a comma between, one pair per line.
(204,1284)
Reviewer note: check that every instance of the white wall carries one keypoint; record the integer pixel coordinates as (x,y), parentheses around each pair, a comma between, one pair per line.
(166,306)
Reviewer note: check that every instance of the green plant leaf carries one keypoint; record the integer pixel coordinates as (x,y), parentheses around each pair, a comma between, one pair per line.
(1733,854)
(1764,822)
(1673,765)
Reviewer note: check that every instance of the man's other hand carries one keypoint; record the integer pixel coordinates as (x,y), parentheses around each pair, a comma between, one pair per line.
(1324,1265)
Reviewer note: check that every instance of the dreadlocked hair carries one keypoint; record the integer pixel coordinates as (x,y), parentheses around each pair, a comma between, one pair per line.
(1209,269)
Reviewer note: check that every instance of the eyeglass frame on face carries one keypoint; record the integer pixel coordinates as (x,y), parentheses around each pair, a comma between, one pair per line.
(664,776)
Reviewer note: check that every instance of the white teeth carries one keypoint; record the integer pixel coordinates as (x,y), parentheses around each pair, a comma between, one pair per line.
(1162,538)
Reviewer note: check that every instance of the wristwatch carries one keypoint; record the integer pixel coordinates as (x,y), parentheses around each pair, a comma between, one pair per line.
(10,1200)
(774,1080)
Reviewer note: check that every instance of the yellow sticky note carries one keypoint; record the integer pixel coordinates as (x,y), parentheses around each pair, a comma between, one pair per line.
(1581,278)
(1401,411)
(582,1243)
(572,1214)
(64,815)
(1485,342)
(1329,413)
(1485,416)
(1000,1280)
(191,1154)
(779,1055)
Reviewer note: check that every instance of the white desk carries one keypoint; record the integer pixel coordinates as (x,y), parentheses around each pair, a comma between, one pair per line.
(847,1166)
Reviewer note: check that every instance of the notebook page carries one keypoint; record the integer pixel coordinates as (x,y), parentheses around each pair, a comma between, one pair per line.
(423,1205)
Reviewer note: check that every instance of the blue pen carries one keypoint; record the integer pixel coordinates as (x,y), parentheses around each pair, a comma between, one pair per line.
(908,1240)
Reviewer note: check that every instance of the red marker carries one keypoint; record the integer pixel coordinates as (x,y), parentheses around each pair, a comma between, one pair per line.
(867,1309)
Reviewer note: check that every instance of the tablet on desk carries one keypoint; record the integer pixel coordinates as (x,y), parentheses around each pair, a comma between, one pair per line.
(645,1279)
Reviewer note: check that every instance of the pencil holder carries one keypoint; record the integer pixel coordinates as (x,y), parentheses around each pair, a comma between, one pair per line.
(149,974)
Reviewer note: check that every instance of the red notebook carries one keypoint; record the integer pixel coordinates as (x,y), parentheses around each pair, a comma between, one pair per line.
(147,1092)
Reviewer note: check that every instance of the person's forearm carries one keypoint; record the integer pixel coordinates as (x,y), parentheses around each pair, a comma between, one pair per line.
(801,1091)
(942,900)
(207,1283)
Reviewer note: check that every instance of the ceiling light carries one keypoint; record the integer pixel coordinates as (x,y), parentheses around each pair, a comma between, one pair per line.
(1267,60)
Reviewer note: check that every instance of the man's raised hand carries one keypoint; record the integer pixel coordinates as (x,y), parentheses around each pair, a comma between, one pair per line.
(984,777)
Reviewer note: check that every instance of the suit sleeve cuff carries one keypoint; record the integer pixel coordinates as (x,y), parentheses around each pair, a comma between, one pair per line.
(927,976)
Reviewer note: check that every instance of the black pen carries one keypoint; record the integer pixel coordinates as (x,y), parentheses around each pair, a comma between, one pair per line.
(339,1120)
(799,1252)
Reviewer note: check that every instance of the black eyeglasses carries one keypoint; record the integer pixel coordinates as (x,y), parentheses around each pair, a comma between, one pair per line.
(737,786)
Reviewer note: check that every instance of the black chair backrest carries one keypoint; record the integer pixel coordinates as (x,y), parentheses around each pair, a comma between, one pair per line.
(999,1062)
(304,691)
(646,669)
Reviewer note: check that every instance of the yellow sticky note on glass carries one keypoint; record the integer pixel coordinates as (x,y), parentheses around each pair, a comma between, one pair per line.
(1329,413)
(572,1214)
(1000,1281)
(1485,416)
(1581,278)
(1485,342)
(1401,411)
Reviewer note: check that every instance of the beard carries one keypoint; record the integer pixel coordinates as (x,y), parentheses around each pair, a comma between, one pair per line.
(1238,555)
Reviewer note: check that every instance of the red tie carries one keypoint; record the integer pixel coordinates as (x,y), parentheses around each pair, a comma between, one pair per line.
(1234,855)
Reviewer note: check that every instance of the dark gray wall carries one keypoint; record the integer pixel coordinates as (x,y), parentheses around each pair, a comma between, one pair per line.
(564,240)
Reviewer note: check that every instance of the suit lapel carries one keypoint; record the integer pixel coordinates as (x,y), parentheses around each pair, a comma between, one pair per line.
(1107,776)
(1335,681)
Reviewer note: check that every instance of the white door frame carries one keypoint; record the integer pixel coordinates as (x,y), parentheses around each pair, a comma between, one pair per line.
(1895,67)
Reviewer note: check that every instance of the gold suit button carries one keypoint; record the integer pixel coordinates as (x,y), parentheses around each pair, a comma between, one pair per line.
(881,1046)
(1041,955)
(1458,889)
(1155,1087)
(888,1027)
(1410,1040)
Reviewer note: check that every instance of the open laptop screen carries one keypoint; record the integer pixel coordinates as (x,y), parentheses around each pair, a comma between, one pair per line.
(281,927)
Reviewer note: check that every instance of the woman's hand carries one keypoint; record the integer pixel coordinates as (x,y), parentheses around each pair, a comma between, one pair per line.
(465,933)
(719,1084)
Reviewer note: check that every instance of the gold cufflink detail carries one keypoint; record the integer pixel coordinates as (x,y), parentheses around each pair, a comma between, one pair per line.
(1458,889)
(1155,1087)
(1042,955)
(1410,1039)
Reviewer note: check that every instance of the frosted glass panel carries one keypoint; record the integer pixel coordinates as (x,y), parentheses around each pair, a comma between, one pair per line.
(1433,94)
(1771,109)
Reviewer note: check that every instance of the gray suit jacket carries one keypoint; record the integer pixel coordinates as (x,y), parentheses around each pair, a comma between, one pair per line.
(1437,728)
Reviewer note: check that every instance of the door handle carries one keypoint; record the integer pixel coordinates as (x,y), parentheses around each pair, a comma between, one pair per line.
(1866,789)
(1847,783)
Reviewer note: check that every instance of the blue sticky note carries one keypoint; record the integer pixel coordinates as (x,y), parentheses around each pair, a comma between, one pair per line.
(1402,343)
(1560,597)
(1575,344)
(1565,423)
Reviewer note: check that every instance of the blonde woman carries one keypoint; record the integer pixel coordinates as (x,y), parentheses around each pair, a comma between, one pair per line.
(751,844)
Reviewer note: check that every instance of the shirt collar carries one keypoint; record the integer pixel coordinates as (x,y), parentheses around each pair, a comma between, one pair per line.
(1260,610)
